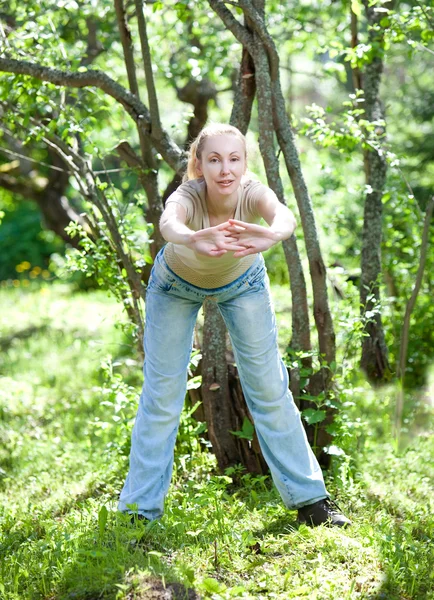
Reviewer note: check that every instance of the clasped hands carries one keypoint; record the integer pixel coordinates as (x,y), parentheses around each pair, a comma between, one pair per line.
(232,236)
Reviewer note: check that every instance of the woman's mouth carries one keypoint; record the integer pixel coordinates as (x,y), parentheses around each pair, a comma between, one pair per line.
(226,182)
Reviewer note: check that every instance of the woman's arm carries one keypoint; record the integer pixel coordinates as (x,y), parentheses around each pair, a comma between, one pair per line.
(278,216)
(212,241)
(256,238)
(172,225)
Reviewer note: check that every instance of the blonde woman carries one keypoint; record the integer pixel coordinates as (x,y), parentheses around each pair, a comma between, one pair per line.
(211,224)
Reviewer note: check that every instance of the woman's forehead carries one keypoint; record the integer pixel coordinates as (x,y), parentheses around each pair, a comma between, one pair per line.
(223,144)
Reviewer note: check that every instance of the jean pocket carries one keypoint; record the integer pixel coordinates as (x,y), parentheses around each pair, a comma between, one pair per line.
(160,279)
(257,279)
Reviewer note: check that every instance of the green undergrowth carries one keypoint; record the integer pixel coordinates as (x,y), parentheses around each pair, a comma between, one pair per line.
(68,393)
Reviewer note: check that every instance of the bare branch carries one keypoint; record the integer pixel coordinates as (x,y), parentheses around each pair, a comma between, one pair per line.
(127,46)
(257,23)
(127,154)
(147,63)
(171,153)
(238,30)
(408,310)
(94,46)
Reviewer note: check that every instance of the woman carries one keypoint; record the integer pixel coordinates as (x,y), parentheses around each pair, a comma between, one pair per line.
(214,242)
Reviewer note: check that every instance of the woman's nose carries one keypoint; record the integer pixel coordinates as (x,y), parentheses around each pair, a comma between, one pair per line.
(224,167)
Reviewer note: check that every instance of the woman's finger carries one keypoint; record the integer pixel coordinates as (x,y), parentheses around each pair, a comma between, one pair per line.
(245,252)
(222,226)
(241,224)
(231,239)
(233,246)
(235,229)
(249,226)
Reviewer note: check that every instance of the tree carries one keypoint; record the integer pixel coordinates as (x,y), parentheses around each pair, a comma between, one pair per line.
(374,360)
(108,234)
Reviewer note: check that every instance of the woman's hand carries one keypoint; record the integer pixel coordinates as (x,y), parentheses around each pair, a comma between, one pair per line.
(253,238)
(215,241)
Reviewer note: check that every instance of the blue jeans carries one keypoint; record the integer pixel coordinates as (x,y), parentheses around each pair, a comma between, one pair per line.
(172,305)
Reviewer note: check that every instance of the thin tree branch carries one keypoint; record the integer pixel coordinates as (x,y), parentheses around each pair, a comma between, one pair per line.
(94,47)
(258,24)
(171,153)
(127,46)
(356,73)
(147,63)
(408,310)
(238,30)
(427,17)
(32,160)
(422,47)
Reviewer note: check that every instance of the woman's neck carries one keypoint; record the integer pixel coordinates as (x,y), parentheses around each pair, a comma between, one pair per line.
(222,207)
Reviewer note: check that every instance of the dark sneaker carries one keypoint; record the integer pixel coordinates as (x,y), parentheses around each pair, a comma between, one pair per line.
(135,518)
(324,511)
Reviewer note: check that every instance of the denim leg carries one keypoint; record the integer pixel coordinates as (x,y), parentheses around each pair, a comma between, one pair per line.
(168,342)
(251,323)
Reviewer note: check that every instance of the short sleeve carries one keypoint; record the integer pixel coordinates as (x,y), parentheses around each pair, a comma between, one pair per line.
(184,195)
(253,192)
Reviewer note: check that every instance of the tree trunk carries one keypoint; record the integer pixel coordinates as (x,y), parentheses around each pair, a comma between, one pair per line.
(374,360)
(263,51)
(223,401)
(226,405)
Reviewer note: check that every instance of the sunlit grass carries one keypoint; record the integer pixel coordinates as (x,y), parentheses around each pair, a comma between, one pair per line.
(63,459)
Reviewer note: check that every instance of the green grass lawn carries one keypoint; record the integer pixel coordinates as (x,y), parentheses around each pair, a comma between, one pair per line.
(69,384)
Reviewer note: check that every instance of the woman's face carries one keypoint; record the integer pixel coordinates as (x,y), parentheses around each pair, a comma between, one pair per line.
(222,164)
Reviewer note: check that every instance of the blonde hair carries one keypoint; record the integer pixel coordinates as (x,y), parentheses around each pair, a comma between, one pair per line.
(196,147)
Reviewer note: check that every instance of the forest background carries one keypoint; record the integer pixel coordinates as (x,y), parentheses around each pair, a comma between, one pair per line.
(337,99)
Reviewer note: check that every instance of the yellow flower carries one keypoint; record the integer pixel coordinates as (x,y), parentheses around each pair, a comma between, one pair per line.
(16,283)
(46,274)
(37,270)
(25,265)
(25,283)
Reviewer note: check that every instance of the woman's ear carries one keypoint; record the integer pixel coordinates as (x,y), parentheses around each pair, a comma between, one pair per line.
(198,167)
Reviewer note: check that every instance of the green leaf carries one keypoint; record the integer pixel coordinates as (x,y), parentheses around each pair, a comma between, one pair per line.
(427,35)
(212,585)
(317,399)
(312,416)
(102,519)
(247,430)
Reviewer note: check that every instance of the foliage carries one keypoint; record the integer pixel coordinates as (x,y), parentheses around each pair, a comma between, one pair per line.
(191,45)
(24,240)
(402,226)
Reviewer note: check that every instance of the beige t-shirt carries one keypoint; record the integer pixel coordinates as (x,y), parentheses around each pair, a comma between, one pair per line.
(207,271)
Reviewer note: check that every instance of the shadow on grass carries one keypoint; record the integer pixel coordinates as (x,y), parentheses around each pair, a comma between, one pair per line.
(124,558)
(399,496)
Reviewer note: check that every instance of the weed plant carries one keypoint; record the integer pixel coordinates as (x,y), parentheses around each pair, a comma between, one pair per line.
(68,395)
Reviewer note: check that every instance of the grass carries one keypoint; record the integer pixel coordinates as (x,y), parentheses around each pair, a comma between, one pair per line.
(66,411)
